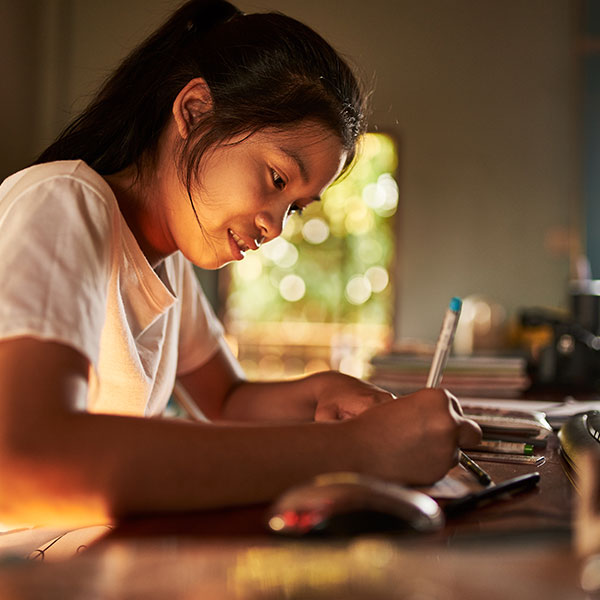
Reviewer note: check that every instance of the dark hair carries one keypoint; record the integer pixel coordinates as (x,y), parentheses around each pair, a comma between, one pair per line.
(263,70)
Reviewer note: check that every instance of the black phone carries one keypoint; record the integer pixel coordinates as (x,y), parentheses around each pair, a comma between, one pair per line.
(499,491)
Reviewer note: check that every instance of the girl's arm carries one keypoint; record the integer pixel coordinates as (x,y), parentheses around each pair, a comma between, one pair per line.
(221,391)
(59,464)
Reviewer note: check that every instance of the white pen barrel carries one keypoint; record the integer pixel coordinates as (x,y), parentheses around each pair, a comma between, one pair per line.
(442,349)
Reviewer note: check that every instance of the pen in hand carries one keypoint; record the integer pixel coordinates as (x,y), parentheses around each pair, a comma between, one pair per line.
(440,357)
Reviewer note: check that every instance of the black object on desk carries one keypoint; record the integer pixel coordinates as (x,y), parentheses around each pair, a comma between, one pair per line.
(490,494)
(571,361)
(579,435)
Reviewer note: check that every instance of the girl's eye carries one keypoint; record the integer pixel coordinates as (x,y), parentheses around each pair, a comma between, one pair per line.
(278,181)
(295,209)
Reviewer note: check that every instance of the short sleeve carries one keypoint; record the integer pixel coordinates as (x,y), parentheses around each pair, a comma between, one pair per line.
(200,329)
(55,253)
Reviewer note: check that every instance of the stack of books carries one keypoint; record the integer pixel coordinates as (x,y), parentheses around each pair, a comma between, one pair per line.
(471,376)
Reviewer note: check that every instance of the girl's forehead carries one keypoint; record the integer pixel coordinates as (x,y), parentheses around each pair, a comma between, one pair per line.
(306,128)
(305,137)
(316,150)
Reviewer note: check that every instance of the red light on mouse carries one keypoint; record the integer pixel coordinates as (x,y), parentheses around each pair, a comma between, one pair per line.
(290,518)
(308,519)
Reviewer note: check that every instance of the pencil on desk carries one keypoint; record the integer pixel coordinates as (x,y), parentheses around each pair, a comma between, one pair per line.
(440,357)
(504,447)
(471,465)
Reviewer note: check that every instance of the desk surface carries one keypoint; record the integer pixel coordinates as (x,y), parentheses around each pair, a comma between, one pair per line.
(518,548)
(547,508)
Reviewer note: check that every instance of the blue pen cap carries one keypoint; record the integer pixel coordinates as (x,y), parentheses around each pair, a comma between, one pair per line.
(455,304)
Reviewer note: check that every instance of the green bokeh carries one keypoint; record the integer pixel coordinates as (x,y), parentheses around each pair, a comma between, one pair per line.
(360,237)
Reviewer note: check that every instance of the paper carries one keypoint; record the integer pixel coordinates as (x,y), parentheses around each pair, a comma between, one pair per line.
(556,412)
(455,484)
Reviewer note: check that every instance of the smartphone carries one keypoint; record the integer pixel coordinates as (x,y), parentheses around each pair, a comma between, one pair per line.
(500,491)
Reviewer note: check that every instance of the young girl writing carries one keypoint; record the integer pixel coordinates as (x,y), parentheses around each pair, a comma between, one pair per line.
(196,150)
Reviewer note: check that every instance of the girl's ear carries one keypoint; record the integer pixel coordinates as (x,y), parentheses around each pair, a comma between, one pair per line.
(191,103)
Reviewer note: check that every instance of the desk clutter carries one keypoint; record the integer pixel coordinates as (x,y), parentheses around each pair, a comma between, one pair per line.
(346,504)
(351,503)
(509,435)
(497,376)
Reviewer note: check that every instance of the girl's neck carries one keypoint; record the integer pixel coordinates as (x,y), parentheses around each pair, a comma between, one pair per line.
(135,201)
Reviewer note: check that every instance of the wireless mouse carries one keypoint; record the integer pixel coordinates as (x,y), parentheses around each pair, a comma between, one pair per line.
(349,504)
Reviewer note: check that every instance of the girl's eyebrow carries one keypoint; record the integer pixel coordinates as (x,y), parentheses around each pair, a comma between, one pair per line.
(301,167)
(298,160)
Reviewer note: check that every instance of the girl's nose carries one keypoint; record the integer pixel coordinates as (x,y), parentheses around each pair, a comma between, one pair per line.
(270,224)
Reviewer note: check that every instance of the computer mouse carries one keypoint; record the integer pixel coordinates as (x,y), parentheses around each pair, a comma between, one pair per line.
(350,504)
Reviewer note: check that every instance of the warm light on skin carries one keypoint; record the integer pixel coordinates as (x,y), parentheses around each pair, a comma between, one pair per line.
(51,498)
(237,192)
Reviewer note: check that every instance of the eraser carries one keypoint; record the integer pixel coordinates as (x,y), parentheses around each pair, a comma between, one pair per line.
(455,304)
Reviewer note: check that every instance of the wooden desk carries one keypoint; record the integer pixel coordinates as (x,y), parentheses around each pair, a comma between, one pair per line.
(548,508)
(516,549)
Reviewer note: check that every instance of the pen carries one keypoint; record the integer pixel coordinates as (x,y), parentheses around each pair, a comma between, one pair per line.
(503,447)
(444,343)
(510,487)
(440,357)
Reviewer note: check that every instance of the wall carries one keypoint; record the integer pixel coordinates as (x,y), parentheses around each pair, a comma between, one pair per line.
(19,67)
(482,96)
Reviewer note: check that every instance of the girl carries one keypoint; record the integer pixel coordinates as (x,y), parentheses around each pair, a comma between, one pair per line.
(196,150)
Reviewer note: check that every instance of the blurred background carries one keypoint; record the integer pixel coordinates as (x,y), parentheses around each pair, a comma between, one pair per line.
(477,179)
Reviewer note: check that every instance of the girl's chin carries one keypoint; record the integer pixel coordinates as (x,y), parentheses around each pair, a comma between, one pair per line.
(215,262)
(212,266)
(208,263)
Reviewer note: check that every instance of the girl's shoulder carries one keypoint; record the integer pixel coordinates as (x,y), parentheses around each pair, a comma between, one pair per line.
(62,198)
(65,176)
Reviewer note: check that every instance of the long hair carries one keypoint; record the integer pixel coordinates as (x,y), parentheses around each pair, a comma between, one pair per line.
(263,70)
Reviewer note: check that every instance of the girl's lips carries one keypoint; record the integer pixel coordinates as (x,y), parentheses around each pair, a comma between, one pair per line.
(239,241)
(238,246)
(235,249)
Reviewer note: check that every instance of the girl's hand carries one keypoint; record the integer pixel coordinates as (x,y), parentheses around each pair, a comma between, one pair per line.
(413,439)
(340,397)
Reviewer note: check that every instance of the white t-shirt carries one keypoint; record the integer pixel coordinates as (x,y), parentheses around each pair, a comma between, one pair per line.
(72,272)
